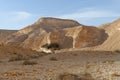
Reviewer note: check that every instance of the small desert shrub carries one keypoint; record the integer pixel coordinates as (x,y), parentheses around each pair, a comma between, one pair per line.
(54,46)
(117,51)
(53,59)
(68,76)
(109,61)
(87,76)
(75,54)
(18,58)
(37,55)
(115,74)
(28,62)
(14,73)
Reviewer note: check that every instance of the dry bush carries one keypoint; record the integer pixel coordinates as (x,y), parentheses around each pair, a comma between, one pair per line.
(54,46)
(14,73)
(36,55)
(117,51)
(53,59)
(28,62)
(87,76)
(109,61)
(68,76)
(18,58)
(115,74)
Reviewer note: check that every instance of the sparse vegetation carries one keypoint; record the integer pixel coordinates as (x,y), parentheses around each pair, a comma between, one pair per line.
(36,55)
(14,73)
(28,62)
(109,61)
(18,58)
(53,59)
(75,54)
(115,74)
(88,75)
(68,76)
(54,46)
(117,51)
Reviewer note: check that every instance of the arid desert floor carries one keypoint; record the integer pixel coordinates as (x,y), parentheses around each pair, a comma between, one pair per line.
(87,65)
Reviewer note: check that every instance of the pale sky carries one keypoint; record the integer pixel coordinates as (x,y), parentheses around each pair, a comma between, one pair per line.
(17,14)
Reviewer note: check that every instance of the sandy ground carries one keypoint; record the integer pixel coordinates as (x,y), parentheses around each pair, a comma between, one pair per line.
(93,65)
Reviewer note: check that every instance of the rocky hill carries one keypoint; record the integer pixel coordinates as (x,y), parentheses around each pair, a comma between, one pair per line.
(6,33)
(113,41)
(66,33)
(20,57)
(86,36)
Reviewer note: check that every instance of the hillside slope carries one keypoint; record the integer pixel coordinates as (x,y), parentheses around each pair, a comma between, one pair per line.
(113,41)
(6,33)
(54,30)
